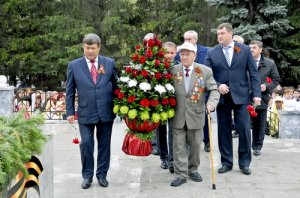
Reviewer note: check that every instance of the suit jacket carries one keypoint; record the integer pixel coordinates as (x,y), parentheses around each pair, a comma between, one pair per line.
(95,101)
(235,76)
(267,68)
(200,56)
(193,114)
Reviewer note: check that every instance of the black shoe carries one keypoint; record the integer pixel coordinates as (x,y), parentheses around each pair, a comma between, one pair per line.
(154,151)
(246,170)
(178,181)
(207,147)
(224,169)
(164,165)
(235,134)
(195,177)
(171,169)
(86,183)
(256,152)
(103,182)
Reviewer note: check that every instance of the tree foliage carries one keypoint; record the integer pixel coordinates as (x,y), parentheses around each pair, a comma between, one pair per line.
(264,20)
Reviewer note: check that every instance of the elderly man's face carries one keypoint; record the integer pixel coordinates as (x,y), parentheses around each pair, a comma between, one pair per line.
(91,51)
(187,57)
(189,37)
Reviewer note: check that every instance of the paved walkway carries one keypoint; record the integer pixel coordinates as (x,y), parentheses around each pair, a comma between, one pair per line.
(274,174)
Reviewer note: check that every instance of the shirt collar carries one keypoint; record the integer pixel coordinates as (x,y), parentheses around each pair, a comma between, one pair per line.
(88,61)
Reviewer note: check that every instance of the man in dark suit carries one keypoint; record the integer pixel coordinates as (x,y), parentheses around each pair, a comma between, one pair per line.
(230,62)
(267,69)
(191,36)
(191,82)
(94,78)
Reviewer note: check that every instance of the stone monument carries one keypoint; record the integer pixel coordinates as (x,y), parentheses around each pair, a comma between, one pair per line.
(6,97)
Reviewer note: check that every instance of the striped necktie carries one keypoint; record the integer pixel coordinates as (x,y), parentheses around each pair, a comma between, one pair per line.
(94,71)
(226,54)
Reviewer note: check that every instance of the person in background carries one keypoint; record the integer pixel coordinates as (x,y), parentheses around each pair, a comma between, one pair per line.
(191,36)
(95,79)
(296,95)
(165,147)
(191,81)
(288,101)
(231,63)
(267,69)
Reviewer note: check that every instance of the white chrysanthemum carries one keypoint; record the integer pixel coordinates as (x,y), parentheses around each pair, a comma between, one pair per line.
(160,89)
(136,66)
(145,86)
(170,88)
(124,78)
(132,83)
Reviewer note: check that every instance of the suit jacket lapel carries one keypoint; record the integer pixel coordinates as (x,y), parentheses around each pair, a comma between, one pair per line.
(101,61)
(234,57)
(85,69)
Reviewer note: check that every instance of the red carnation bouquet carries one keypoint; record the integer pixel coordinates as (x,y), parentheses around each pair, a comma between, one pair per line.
(251,110)
(145,97)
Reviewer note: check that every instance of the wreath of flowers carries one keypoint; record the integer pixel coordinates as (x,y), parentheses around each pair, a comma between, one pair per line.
(145,91)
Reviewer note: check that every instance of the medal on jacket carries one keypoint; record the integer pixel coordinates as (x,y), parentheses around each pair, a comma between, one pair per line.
(199,86)
(178,77)
(101,69)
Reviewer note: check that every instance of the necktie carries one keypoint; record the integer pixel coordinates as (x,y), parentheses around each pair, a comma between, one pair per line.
(227,55)
(94,71)
(187,72)
(187,79)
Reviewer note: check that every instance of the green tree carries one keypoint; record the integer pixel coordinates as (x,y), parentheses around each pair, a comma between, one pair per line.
(264,20)
(38,41)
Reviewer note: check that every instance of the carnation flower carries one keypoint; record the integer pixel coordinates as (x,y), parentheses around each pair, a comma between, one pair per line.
(124,79)
(164,116)
(132,83)
(144,115)
(170,88)
(160,89)
(124,110)
(145,86)
(132,113)
(155,117)
(171,113)
(116,109)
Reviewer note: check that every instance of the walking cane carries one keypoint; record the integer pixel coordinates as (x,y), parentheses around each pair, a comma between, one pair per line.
(211,152)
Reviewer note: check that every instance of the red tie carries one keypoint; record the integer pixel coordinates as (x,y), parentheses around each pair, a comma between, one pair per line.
(94,71)
(187,72)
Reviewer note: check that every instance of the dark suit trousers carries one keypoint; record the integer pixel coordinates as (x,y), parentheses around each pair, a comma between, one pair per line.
(87,148)
(258,129)
(161,135)
(242,124)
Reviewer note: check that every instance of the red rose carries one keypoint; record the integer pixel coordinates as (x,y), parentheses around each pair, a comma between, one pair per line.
(157,75)
(117,91)
(160,53)
(127,69)
(131,99)
(157,62)
(253,114)
(135,73)
(76,141)
(168,76)
(158,43)
(250,108)
(137,48)
(167,64)
(154,103)
(165,101)
(135,57)
(151,42)
(145,102)
(142,59)
(269,80)
(172,102)
(149,53)
(120,95)
(144,73)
